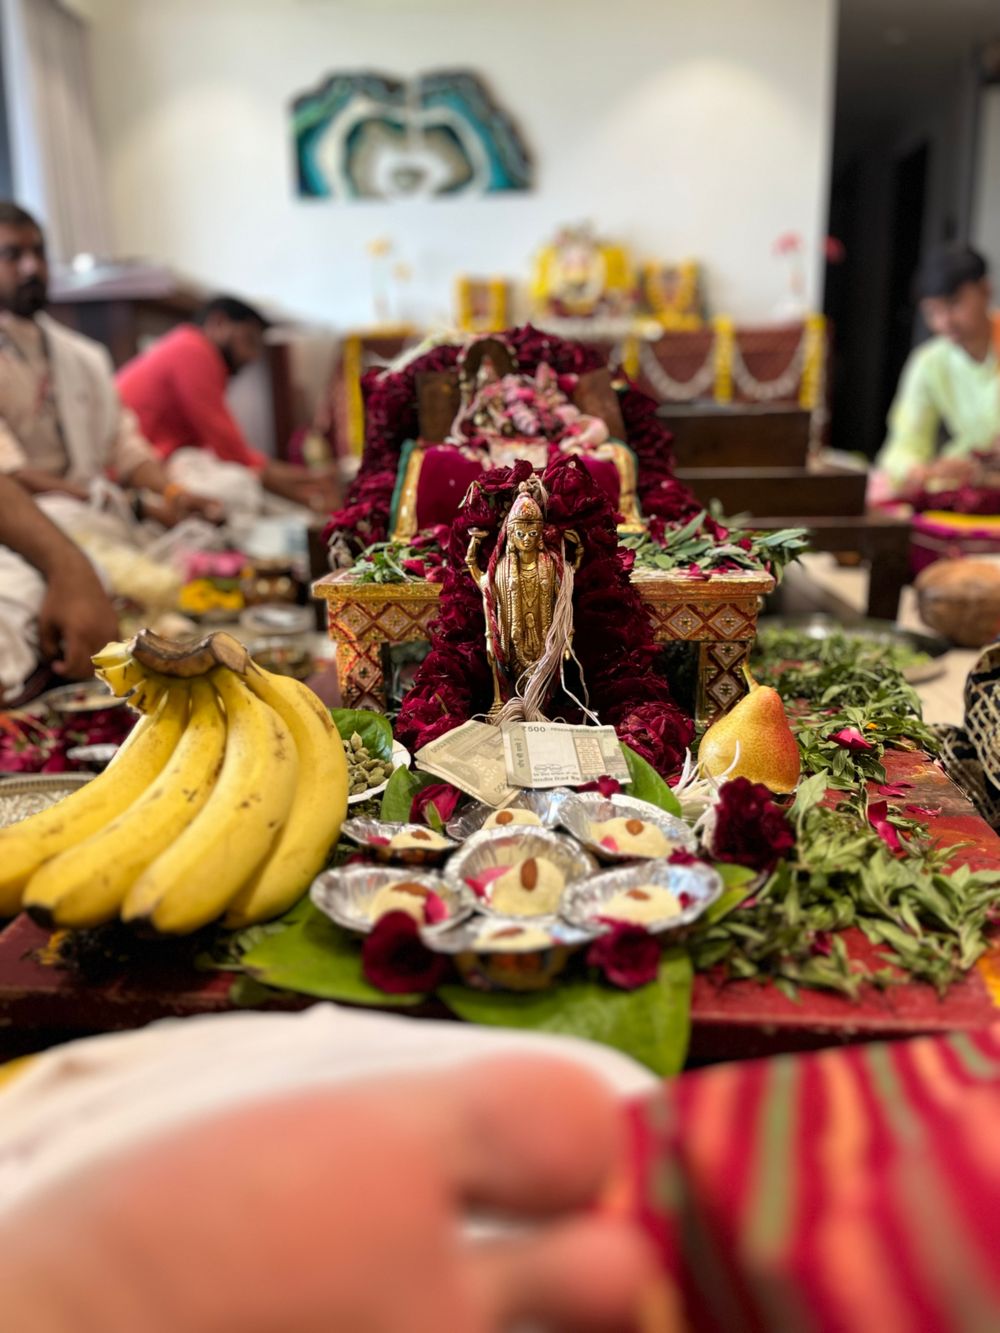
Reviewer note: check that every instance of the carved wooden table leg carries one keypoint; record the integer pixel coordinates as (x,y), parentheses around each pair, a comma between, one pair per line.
(359,667)
(720,678)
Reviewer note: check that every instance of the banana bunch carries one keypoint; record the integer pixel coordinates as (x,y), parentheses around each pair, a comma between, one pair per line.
(224,801)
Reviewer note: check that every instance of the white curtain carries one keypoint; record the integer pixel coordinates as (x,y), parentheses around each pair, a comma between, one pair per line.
(56,159)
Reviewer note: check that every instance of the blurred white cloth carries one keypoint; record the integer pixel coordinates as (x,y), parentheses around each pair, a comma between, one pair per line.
(22,588)
(94,1098)
(237,488)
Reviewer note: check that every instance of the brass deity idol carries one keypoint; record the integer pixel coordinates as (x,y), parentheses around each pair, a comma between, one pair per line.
(526,588)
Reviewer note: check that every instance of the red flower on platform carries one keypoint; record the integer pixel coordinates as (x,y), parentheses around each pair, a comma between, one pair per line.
(851,739)
(659,732)
(605,785)
(894,790)
(627,956)
(750,829)
(441,795)
(878,817)
(394,959)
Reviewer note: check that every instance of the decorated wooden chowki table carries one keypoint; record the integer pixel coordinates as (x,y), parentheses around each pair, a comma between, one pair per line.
(718,613)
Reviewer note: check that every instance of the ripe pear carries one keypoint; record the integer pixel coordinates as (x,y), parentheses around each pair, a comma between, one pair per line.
(768,751)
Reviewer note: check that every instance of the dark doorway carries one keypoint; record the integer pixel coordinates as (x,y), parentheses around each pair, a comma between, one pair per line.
(909,196)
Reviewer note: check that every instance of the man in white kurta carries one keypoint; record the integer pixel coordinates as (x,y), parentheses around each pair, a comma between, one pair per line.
(63,430)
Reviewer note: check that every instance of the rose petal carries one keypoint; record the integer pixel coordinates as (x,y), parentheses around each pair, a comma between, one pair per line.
(479,884)
(894,788)
(878,818)
(605,785)
(435,909)
(922,811)
(851,739)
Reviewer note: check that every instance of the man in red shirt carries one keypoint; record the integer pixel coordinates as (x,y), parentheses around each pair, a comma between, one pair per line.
(177,389)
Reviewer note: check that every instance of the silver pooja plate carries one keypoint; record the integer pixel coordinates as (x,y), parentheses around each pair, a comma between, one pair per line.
(98,755)
(545,804)
(583,903)
(346,894)
(509,847)
(375,835)
(27,794)
(88,696)
(581,809)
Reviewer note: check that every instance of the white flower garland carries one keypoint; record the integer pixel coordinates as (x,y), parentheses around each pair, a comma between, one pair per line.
(669,389)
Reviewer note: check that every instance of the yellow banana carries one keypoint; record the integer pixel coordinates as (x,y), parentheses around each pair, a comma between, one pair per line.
(24,846)
(301,848)
(87,884)
(195,879)
(121,678)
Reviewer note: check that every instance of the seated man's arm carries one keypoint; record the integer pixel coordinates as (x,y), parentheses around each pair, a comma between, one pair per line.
(202,397)
(136,464)
(14,462)
(76,618)
(914,422)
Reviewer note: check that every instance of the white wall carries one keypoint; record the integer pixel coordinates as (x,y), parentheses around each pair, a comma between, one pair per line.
(686,127)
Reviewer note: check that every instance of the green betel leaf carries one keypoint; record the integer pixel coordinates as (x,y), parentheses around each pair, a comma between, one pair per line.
(738,881)
(373,728)
(398,795)
(315,957)
(651,1024)
(645,784)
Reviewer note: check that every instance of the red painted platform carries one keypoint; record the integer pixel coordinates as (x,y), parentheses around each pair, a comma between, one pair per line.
(40,1002)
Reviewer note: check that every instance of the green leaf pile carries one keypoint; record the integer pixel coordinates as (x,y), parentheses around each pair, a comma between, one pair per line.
(930,925)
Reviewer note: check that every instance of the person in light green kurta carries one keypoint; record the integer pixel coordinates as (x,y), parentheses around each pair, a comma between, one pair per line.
(950,384)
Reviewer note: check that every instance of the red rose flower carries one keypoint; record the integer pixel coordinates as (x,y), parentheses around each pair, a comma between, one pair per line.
(627,956)
(659,732)
(750,829)
(415,567)
(441,795)
(394,959)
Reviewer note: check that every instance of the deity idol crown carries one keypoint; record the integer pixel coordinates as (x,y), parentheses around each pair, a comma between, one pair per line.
(526,510)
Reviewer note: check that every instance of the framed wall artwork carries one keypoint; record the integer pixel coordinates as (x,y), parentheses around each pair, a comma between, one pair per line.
(365,135)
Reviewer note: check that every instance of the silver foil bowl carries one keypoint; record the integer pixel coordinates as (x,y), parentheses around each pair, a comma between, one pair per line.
(509,847)
(545,804)
(346,895)
(375,835)
(584,903)
(581,809)
(488,961)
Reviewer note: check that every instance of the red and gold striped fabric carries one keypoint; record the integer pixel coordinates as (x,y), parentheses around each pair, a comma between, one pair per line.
(848,1191)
